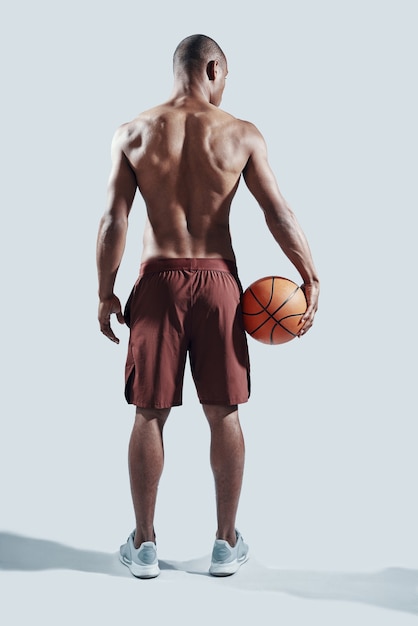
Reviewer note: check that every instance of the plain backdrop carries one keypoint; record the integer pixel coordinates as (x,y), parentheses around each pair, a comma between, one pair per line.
(330,482)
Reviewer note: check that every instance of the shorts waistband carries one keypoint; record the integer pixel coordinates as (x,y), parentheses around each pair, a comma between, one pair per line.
(190,264)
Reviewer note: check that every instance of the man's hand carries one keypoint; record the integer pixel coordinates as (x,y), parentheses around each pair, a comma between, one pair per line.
(107,307)
(311,291)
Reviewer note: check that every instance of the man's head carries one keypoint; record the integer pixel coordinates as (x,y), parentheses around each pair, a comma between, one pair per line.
(197,56)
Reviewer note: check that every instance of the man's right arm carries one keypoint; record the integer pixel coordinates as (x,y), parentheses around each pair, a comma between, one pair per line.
(282,222)
(112,234)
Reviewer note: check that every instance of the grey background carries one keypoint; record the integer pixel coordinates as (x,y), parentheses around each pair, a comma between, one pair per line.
(331,425)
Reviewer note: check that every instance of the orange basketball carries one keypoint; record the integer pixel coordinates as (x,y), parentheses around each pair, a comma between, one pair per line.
(272,308)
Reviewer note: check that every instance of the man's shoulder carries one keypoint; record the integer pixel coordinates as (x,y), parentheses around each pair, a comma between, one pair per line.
(128,132)
(248,133)
(127,128)
(232,120)
(244,126)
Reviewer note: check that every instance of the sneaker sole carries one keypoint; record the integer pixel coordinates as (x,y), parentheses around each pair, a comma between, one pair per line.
(141,571)
(227,569)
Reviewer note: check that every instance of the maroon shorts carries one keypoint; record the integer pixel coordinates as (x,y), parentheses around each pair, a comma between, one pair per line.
(181,306)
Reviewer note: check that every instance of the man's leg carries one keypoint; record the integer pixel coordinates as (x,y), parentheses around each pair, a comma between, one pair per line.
(227,459)
(146,460)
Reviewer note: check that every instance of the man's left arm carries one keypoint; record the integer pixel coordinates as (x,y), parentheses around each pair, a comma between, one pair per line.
(112,234)
(282,223)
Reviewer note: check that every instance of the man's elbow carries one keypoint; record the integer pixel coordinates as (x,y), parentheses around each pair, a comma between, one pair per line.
(278,216)
(112,226)
(112,219)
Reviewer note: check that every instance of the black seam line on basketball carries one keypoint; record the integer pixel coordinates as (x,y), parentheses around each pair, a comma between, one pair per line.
(283,327)
(278,323)
(271,315)
(265,322)
(264,307)
(271,294)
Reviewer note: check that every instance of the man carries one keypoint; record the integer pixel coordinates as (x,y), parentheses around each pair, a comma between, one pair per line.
(186,157)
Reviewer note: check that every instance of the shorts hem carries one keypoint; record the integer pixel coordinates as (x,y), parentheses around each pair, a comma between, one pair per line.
(223,402)
(154,405)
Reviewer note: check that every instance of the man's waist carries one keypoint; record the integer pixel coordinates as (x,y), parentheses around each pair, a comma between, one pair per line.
(188,264)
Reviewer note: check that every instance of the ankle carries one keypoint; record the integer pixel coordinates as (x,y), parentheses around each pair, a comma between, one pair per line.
(141,536)
(230,537)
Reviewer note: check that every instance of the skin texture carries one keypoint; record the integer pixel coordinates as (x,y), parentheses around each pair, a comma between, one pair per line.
(186,157)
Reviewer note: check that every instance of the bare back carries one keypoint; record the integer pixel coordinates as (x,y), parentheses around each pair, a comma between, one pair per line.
(187,157)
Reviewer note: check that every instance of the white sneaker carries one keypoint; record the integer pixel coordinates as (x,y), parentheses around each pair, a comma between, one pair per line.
(143,561)
(227,560)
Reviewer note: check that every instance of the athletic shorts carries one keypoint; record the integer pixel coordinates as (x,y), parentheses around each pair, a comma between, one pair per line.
(179,307)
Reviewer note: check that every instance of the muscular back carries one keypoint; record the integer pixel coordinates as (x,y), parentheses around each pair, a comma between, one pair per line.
(187,158)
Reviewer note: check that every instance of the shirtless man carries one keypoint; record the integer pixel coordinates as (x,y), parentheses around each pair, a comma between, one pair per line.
(186,157)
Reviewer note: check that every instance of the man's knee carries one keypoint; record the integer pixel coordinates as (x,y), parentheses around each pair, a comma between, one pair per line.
(217,412)
(148,415)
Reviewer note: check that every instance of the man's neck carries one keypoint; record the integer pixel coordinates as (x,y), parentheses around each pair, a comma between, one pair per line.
(193,90)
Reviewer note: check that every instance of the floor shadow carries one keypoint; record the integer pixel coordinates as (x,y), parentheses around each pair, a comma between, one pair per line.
(392,588)
(28,554)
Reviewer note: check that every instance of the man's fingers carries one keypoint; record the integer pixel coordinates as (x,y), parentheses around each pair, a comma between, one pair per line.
(107,308)
(306,320)
(108,332)
(311,291)
(306,326)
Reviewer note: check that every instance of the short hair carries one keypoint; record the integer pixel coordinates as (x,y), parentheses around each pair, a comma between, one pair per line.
(193,53)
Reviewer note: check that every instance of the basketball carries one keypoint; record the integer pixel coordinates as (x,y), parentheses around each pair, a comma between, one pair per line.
(272,308)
